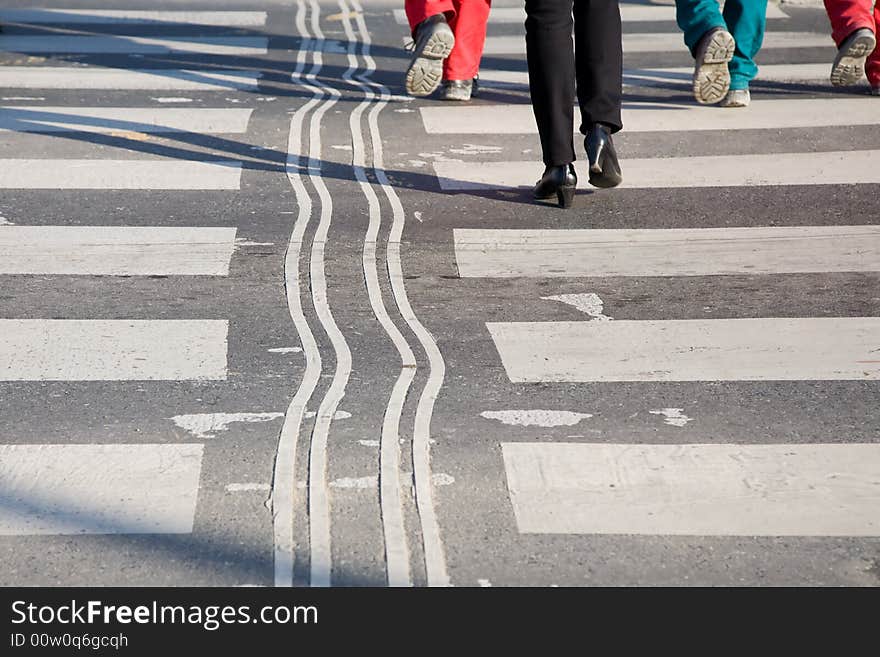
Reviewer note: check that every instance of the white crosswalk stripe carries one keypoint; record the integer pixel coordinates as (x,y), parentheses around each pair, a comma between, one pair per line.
(98,489)
(134,17)
(628,13)
(763,114)
(828,168)
(760,349)
(665,42)
(22,118)
(118,174)
(666,252)
(696,489)
(134,45)
(116,250)
(60,77)
(679,77)
(112,350)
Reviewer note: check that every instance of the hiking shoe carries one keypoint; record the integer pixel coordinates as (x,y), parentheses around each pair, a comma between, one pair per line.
(849,65)
(711,77)
(457,89)
(433,43)
(737,98)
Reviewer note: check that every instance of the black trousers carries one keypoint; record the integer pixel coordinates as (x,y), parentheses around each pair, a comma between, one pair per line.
(594,64)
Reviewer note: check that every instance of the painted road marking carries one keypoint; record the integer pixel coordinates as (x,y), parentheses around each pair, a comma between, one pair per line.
(118,174)
(116,250)
(762,349)
(507,253)
(112,350)
(119,119)
(714,490)
(62,77)
(828,168)
(135,45)
(98,489)
(125,16)
(642,42)
(666,116)
(628,13)
(678,76)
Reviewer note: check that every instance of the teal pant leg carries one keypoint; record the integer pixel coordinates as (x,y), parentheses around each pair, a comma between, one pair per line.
(696,17)
(745,20)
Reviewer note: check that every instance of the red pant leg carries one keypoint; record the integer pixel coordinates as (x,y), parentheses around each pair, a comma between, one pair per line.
(847,16)
(419,10)
(469,27)
(872,66)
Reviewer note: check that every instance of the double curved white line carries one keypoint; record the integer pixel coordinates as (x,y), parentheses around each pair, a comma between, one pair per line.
(283,490)
(283,480)
(435,559)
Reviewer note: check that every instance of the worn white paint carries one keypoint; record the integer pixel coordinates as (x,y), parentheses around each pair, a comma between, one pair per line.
(588,303)
(98,489)
(119,174)
(338,415)
(112,350)
(116,250)
(762,349)
(63,77)
(136,17)
(247,487)
(484,583)
(536,417)
(22,98)
(823,168)
(22,118)
(357,483)
(243,241)
(505,253)
(369,443)
(207,425)
(628,13)
(702,489)
(130,45)
(285,350)
(171,99)
(673,416)
(665,116)
(4,222)
(442,479)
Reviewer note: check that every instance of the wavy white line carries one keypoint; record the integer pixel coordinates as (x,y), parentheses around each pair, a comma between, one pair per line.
(435,559)
(396,549)
(319,499)
(283,486)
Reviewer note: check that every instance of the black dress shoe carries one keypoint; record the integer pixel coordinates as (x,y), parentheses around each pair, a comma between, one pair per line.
(604,167)
(559,181)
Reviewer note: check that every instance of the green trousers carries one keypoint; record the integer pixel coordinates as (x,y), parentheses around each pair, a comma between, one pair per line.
(744,19)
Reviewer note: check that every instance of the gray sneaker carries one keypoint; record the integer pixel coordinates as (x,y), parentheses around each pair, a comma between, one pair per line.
(433,43)
(849,65)
(737,98)
(458,89)
(711,77)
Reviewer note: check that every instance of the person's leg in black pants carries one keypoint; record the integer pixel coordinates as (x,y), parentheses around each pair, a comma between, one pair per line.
(550,55)
(599,67)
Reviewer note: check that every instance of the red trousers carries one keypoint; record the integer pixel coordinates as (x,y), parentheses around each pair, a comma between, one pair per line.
(849,15)
(468,19)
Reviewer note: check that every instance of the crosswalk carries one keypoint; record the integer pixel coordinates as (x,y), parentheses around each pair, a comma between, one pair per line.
(126,486)
(697,489)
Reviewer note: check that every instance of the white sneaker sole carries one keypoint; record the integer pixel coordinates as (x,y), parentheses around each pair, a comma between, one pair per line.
(425,71)
(849,65)
(711,77)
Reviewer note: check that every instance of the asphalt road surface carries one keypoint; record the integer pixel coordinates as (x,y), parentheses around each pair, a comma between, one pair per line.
(264,320)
